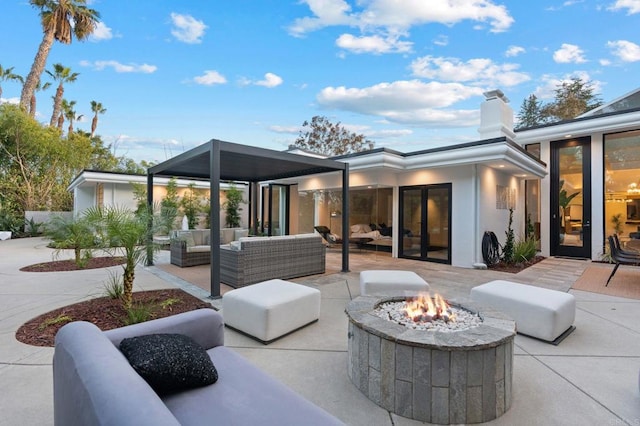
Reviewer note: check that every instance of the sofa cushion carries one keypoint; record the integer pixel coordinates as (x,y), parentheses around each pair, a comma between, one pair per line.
(199,249)
(187,237)
(244,396)
(169,362)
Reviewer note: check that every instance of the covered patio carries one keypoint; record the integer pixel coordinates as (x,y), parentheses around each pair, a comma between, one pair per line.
(218,161)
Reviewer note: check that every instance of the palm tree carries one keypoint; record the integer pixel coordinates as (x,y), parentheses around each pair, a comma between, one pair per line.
(32,103)
(63,75)
(60,121)
(6,74)
(96,108)
(128,234)
(61,20)
(70,114)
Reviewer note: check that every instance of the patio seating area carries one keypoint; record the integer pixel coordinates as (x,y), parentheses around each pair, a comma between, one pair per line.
(589,378)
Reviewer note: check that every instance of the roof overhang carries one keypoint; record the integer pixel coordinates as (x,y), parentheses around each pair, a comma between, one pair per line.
(580,127)
(500,153)
(91,177)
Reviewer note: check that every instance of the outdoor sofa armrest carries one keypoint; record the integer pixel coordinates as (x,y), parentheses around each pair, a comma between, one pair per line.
(84,395)
(205,326)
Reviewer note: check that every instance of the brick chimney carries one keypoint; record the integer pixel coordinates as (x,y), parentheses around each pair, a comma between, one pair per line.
(496,116)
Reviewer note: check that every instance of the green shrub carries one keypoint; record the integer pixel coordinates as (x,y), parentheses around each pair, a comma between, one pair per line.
(137,314)
(53,321)
(524,250)
(508,249)
(114,287)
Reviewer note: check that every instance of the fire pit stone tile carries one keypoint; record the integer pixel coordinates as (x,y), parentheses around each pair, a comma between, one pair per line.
(432,376)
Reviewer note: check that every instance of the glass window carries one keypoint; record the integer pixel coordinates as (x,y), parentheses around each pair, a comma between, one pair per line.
(532,199)
(622,184)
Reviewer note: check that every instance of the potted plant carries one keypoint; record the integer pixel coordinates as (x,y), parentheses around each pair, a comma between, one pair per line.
(232,207)
(616,221)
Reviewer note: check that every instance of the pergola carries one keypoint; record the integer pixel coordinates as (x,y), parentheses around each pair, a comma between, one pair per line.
(218,161)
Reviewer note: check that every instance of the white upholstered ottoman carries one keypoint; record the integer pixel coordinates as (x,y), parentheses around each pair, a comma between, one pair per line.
(538,312)
(270,309)
(391,283)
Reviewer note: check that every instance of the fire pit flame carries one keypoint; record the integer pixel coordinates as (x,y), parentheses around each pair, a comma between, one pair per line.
(423,308)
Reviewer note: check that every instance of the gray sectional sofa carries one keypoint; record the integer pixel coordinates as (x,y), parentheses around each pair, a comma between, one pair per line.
(191,247)
(94,384)
(254,259)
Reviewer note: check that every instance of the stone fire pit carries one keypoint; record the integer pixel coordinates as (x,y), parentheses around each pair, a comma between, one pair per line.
(432,376)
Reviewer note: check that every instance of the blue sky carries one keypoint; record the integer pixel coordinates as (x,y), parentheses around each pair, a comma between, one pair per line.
(409,74)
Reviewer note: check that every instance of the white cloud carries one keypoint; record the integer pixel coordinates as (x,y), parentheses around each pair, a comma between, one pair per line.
(119,67)
(392,14)
(477,71)
(569,53)
(604,62)
(514,51)
(187,29)
(625,50)
(293,130)
(101,32)
(373,44)
(209,78)
(270,80)
(387,133)
(413,101)
(441,40)
(14,101)
(326,13)
(633,6)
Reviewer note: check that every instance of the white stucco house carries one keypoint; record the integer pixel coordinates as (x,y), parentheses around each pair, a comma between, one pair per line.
(92,188)
(572,183)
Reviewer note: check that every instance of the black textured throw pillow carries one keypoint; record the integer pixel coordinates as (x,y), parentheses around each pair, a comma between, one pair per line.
(169,362)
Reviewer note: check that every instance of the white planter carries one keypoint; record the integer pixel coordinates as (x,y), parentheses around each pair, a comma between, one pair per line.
(5,235)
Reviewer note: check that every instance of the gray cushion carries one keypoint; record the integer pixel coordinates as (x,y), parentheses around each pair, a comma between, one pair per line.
(169,362)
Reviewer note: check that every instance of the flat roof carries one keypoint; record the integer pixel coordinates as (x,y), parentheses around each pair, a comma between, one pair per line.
(243,163)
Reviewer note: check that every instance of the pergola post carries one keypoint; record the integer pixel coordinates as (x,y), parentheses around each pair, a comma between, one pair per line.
(214,229)
(345,218)
(150,218)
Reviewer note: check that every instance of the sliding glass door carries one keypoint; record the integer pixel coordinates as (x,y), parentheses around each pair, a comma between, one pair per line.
(275,209)
(425,216)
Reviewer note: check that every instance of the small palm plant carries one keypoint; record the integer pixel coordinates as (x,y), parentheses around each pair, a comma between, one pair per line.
(126,233)
(75,233)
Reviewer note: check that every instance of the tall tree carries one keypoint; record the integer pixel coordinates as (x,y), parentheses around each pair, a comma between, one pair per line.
(96,108)
(70,114)
(572,98)
(324,137)
(530,112)
(32,103)
(64,104)
(61,20)
(63,75)
(7,74)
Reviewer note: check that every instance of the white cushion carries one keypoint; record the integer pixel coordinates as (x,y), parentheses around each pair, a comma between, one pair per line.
(235,245)
(391,283)
(199,249)
(270,309)
(538,312)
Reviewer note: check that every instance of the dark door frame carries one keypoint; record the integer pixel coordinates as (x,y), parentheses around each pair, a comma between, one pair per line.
(269,209)
(424,235)
(556,248)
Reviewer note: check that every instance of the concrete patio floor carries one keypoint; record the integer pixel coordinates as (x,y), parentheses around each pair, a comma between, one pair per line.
(591,378)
